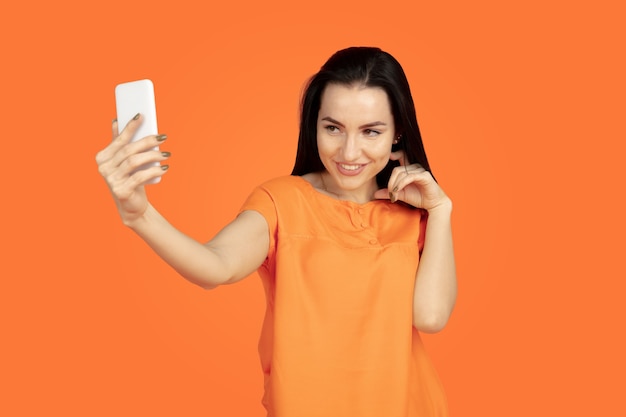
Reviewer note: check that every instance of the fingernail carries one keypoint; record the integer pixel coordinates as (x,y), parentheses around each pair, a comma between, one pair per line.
(114,120)
(161,138)
(395,189)
(165,167)
(136,116)
(166,154)
(391,197)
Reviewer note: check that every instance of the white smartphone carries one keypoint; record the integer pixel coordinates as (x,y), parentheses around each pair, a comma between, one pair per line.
(137,97)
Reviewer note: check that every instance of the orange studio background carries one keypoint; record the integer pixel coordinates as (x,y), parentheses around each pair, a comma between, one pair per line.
(522,110)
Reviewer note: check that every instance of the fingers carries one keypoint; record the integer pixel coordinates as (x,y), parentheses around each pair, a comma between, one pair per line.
(413,177)
(109,162)
(382,194)
(401,172)
(122,159)
(114,129)
(135,171)
(139,161)
(124,187)
(121,139)
(403,176)
(132,149)
(128,131)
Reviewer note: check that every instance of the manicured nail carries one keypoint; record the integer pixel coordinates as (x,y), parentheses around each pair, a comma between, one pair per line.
(391,196)
(166,154)
(164,167)
(395,189)
(136,116)
(161,138)
(114,120)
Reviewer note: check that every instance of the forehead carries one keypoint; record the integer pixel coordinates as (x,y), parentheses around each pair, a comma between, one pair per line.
(355,102)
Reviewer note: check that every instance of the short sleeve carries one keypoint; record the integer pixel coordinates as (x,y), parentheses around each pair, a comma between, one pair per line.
(262,202)
(422,236)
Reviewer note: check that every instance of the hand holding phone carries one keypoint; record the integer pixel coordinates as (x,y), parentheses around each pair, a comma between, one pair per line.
(138,97)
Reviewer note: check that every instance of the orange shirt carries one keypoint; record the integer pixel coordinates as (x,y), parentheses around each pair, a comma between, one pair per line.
(338,339)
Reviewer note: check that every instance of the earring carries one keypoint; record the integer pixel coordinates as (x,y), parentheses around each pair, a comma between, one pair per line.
(397,139)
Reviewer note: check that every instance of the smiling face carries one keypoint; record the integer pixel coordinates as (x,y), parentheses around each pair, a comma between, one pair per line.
(355,131)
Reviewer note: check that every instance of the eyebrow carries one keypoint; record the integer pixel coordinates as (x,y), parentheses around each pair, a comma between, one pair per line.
(372,124)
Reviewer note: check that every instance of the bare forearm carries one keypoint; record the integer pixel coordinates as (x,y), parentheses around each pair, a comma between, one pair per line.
(191,259)
(435,285)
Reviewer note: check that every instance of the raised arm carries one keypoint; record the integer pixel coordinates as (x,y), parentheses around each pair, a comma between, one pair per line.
(234,253)
(435,284)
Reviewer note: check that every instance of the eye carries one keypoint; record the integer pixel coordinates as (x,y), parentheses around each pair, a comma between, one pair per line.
(371,133)
(331,129)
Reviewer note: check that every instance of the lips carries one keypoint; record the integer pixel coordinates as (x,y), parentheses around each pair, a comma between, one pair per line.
(350,169)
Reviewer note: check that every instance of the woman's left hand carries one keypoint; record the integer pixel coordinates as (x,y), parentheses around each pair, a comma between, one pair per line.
(413,185)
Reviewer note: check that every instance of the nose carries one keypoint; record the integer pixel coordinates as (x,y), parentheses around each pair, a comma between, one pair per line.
(350,149)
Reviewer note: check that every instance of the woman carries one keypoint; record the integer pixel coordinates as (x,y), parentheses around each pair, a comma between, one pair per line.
(354,248)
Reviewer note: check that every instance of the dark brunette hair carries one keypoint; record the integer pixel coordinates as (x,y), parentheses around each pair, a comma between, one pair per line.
(370,67)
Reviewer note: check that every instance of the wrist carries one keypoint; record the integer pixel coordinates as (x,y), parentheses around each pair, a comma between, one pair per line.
(138,222)
(443,208)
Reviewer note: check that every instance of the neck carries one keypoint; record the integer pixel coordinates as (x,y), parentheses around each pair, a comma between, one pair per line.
(356,196)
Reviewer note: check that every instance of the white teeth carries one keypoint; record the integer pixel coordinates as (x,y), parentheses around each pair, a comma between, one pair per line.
(350,167)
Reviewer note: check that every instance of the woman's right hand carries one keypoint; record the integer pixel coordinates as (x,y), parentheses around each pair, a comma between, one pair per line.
(118,162)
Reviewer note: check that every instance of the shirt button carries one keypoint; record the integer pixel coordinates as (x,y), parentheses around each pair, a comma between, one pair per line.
(373,241)
(364,225)
(360,211)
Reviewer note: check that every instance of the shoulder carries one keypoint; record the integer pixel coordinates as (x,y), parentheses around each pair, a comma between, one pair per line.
(287,189)
(284,181)
(286,197)
(288,184)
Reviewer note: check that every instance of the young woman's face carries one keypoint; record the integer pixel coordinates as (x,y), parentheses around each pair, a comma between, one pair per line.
(355,131)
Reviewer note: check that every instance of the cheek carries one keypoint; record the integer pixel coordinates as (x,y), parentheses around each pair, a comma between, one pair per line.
(324,147)
(381,151)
